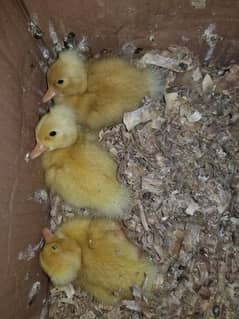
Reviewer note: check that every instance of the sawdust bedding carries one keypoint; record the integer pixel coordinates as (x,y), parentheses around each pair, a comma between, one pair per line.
(179,157)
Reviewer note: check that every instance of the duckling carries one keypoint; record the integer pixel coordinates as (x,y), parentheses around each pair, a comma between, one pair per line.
(100,91)
(95,255)
(76,167)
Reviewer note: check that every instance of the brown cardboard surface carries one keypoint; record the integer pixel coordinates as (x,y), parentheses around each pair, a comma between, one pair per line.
(108,24)
(21,219)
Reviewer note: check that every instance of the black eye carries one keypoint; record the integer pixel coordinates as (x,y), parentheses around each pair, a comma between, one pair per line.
(54,247)
(52,133)
(60,81)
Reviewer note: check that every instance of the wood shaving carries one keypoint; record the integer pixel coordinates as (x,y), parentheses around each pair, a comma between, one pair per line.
(177,59)
(30,252)
(141,115)
(33,292)
(40,196)
(207,83)
(181,165)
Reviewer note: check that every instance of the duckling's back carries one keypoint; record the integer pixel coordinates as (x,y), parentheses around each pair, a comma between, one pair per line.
(113,265)
(84,175)
(117,83)
(124,79)
(109,264)
(114,86)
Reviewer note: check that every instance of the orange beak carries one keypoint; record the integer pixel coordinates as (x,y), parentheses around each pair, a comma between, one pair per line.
(50,93)
(38,150)
(47,234)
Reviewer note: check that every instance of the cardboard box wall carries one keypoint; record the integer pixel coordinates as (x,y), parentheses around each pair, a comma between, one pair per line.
(108,24)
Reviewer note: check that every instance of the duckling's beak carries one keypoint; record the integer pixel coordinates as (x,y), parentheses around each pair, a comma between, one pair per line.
(50,93)
(38,150)
(47,234)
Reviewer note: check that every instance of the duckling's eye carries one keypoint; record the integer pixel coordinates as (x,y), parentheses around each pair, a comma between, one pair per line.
(54,247)
(60,81)
(52,133)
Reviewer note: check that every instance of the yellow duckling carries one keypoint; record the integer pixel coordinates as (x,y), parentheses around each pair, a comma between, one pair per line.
(75,165)
(100,91)
(95,255)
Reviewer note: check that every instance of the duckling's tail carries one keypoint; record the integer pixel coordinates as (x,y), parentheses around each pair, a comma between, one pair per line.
(120,205)
(151,273)
(156,81)
(126,200)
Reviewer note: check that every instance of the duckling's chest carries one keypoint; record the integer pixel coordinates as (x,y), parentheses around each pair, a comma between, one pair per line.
(57,159)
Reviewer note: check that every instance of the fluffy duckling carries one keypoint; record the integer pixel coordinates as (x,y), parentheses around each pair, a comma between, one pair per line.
(75,165)
(95,254)
(100,91)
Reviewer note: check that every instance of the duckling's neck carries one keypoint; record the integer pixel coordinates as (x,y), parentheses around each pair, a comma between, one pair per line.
(86,134)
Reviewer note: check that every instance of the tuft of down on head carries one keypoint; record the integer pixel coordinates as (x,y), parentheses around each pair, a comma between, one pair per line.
(60,258)
(58,128)
(68,75)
